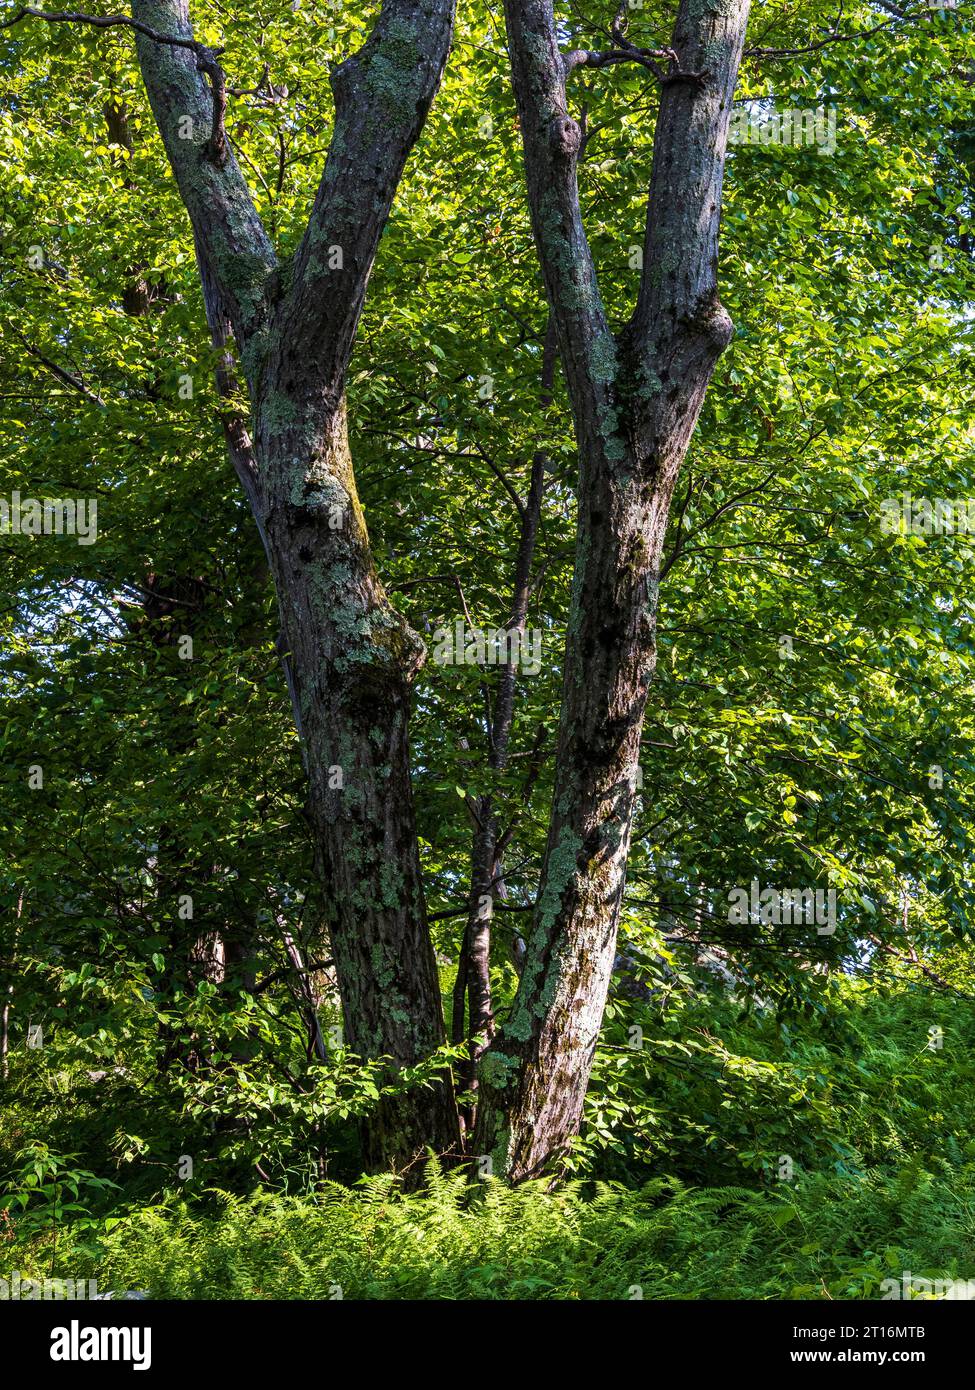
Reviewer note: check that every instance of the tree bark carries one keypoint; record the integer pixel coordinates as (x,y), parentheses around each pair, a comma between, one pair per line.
(635,397)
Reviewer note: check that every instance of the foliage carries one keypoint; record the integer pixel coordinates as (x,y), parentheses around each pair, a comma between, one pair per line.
(842,756)
(825,1239)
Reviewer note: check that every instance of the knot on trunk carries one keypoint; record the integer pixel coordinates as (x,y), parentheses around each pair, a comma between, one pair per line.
(711,320)
(566,136)
(377,652)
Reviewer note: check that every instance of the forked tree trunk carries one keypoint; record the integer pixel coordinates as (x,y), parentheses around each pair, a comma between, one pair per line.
(636,398)
(349,657)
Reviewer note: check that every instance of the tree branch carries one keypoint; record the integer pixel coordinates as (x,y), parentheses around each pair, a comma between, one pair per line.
(76,382)
(552,141)
(626,52)
(233,248)
(382,96)
(679,326)
(206,58)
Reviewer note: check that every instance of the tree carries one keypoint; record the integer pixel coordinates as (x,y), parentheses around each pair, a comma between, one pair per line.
(435,466)
(351,657)
(635,399)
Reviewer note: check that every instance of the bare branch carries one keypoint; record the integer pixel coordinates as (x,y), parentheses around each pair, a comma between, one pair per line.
(75,382)
(626,52)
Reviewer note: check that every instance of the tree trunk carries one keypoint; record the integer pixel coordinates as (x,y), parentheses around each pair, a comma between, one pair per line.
(7,976)
(636,398)
(534,1084)
(354,659)
(350,658)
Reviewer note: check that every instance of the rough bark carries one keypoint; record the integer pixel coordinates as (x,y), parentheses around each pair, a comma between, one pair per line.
(635,397)
(351,658)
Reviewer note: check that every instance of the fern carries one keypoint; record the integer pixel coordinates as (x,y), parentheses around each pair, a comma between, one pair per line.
(824,1237)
